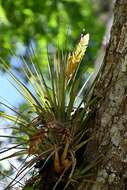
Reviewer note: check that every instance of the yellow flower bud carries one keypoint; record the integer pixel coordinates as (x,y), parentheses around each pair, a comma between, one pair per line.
(75,58)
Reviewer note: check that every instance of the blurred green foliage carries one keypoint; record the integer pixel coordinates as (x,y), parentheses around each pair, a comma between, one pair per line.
(43,22)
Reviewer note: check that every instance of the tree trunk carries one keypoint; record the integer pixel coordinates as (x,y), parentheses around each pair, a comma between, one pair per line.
(111,117)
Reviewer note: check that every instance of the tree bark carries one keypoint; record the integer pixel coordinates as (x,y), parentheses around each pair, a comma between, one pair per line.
(111,117)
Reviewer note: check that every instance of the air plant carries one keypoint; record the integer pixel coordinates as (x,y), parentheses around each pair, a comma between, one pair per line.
(56,131)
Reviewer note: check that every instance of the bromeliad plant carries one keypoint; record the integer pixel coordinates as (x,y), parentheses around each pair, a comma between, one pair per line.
(55,133)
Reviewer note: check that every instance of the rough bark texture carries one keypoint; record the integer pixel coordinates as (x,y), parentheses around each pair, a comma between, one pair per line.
(111,117)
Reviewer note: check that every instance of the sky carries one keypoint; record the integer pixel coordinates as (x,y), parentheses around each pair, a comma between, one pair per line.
(8,92)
